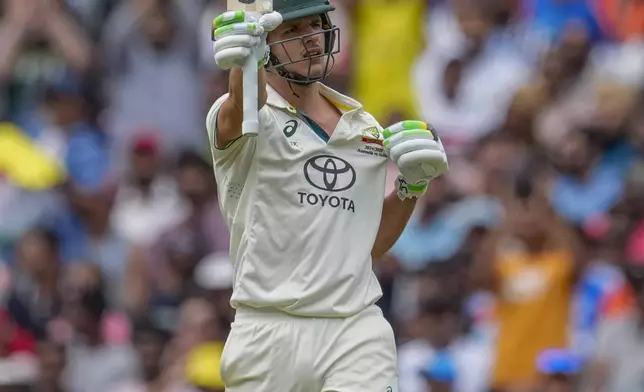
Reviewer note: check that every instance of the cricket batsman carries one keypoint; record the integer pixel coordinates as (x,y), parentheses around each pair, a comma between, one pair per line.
(304,201)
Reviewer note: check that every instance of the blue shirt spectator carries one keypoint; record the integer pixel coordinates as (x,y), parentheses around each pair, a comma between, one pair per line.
(552,17)
(578,200)
(447,232)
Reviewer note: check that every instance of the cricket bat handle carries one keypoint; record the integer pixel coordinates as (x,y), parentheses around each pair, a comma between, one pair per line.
(250,124)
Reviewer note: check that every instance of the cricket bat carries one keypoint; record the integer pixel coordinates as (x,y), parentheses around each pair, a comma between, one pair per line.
(250,124)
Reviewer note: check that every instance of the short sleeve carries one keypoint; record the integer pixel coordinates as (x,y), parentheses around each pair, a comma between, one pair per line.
(238,148)
(232,164)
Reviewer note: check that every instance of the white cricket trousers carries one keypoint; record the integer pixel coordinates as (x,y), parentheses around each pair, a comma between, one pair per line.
(269,351)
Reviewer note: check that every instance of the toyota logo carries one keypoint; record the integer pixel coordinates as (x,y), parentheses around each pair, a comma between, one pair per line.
(329,173)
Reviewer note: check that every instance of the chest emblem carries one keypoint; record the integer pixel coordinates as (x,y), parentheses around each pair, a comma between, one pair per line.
(372,139)
(290,127)
(329,173)
(372,135)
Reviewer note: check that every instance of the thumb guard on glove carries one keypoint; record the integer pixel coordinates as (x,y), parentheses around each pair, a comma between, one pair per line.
(418,152)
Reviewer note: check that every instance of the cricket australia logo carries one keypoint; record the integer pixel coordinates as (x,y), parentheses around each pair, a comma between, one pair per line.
(328,173)
(372,135)
(372,139)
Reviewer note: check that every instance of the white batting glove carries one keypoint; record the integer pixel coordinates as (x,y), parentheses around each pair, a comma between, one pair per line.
(418,152)
(238,34)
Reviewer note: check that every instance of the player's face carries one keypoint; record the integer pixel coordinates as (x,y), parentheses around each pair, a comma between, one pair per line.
(302,44)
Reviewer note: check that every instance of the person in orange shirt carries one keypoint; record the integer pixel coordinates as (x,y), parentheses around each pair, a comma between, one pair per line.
(530,263)
(621,19)
(619,302)
(624,299)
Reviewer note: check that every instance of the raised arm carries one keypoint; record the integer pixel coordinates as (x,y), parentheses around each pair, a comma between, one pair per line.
(67,36)
(482,274)
(13,29)
(236,37)
(230,116)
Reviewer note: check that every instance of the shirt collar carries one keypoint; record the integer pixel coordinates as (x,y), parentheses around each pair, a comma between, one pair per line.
(340,101)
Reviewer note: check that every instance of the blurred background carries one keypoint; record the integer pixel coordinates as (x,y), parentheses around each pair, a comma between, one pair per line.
(521,270)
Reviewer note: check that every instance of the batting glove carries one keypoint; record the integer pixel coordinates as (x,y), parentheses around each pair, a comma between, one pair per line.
(237,35)
(418,152)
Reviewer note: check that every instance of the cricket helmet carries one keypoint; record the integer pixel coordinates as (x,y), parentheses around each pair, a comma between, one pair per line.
(296,9)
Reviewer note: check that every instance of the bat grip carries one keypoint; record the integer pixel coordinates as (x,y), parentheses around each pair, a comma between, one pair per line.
(250,124)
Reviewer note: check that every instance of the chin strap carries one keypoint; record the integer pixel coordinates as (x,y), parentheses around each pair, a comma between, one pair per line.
(292,90)
(292,77)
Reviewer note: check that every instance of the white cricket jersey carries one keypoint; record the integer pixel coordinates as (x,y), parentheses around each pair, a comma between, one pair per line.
(303,209)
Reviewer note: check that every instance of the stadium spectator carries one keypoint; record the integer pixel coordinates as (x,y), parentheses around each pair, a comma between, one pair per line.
(114,267)
(530,262)
(144,43)
(92,363)
(35,298)
(53,357)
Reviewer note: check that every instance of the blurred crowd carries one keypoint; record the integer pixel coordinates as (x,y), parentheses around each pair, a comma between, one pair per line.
(521,271)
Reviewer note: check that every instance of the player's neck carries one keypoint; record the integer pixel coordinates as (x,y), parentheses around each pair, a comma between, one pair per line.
(302,96)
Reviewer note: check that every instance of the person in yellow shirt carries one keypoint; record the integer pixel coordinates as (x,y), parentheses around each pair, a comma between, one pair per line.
(622,19)
(383,57)
(530,263)
(22,163)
